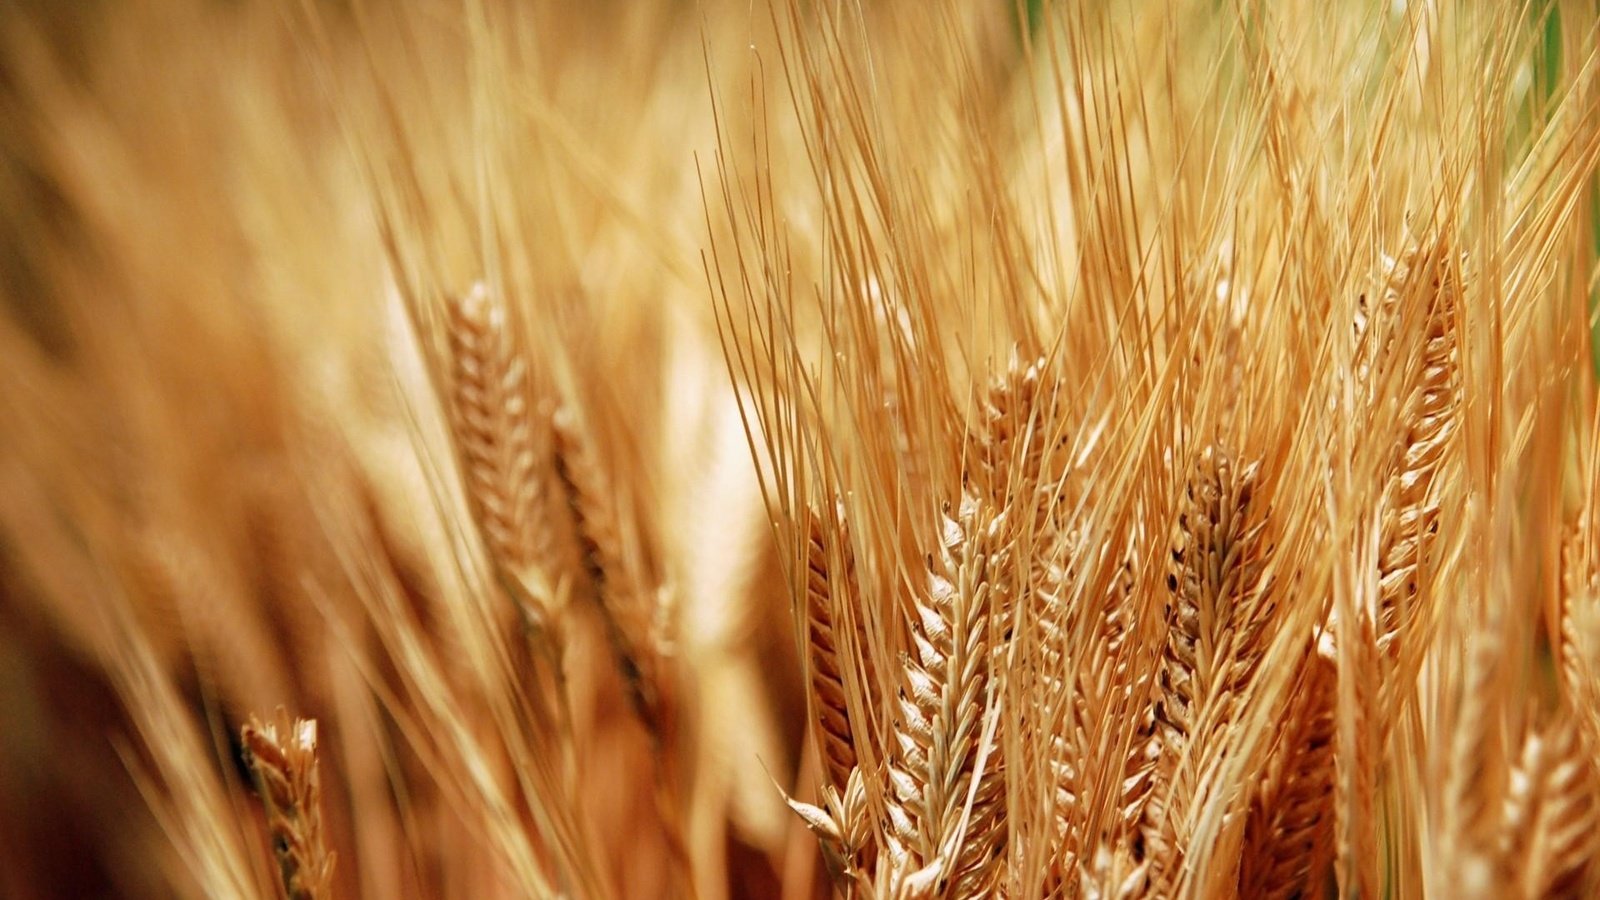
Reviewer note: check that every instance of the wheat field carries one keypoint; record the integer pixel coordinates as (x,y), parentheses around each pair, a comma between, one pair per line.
(861,448)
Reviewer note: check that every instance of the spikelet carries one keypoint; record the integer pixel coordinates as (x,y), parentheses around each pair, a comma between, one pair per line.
(282,758)
(1214,614)
(842,826)
(1288,836)
(934,835)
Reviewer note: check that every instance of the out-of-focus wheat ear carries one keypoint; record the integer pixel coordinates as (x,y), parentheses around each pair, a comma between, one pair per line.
(282,758)
(1547,836)
(1475,767)
(1055,721)
(1008,441)
(1288,835)
(934,835)
(1409,518)
(1213,645)
(1356,755)
(1116,673)
(829,580)
(624,601)
(504,456)
(1579,628)
(1098,696)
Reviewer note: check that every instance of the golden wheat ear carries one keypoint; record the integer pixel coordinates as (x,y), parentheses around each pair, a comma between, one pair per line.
(1217,611)
(1547,835)
(1288,836)
(1554,842)
(1008,449)
(282,758)
(830,580)
(625,603)
(1431,392)
(944,828)
(505,456)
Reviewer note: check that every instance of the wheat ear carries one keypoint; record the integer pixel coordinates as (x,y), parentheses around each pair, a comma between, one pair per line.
(946,818)
(628,611)
(1288,836)
(1124,689)
(1409,516)
(1081,729)
(282,758)
(503,457)
(1056,723)
(1214,614)
(1557,866)
(1356,757)
(624,602)
(1007,459)
(1580,589)
(1008,452)
(829,580)
(1548,830)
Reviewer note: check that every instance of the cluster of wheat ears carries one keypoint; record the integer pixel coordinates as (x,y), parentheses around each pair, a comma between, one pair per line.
(901,449)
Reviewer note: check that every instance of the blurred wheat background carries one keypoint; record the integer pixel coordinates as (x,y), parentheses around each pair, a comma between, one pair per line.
(906,448)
